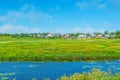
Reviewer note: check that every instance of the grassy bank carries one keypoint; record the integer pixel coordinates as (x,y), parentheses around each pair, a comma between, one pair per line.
(31,49)
(96,74)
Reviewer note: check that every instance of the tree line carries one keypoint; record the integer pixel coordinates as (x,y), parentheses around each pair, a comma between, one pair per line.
(115,34)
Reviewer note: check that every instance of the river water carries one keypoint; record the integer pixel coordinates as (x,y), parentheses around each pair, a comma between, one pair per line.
(52,70)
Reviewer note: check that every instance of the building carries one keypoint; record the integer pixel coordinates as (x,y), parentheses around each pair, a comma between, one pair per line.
(82,36)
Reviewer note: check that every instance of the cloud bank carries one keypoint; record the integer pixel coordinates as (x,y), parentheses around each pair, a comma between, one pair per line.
(10,28)
(24,20)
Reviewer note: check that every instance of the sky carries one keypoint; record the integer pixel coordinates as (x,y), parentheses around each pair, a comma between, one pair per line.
(59,16)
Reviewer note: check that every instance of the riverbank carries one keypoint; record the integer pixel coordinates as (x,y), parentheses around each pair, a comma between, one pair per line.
(31,49)
(96,74)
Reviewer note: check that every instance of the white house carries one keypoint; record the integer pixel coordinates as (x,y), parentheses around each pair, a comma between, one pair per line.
(82,36)
(49,35)
(106,36)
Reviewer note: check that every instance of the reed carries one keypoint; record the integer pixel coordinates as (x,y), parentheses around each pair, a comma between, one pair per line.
(96,74)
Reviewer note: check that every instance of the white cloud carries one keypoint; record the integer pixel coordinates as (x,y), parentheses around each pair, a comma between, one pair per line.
(2,18)
(20,21)
(9,28)
(86,29)
(107,24)
(93,4)
(27,14)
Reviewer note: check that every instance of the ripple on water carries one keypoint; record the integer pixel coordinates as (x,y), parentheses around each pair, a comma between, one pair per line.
(54,69)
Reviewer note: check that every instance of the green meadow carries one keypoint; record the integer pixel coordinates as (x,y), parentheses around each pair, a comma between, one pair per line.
(36,49)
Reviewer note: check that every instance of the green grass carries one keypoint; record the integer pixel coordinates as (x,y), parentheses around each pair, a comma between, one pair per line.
(32,49)
(96,74)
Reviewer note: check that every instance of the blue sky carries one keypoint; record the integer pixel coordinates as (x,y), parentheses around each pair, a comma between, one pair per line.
(59,16)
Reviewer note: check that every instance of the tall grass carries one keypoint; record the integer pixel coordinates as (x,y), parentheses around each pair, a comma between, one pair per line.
(96,74)
(24,49)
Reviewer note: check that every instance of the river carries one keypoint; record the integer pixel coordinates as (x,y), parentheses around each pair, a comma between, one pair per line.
(52,70)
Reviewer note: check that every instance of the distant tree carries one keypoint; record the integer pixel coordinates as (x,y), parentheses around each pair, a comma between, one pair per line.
(96,33)
(117,33)
(106,32)
(112,35)
(88,34)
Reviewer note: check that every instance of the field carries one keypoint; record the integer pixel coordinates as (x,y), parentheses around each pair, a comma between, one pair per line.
(35,49)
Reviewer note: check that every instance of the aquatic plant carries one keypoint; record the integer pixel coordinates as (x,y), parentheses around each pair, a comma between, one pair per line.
(5,76)
(96,74)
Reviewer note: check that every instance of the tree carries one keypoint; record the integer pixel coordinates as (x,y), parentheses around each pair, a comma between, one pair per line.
(106,32)
(88,34)
(112,35)
(117,33)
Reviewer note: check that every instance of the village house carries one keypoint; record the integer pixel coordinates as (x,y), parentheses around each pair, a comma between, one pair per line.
(38,36)
(106,36)
(112,36)
(50,35)
(67,36)
(82,36)
(99,36)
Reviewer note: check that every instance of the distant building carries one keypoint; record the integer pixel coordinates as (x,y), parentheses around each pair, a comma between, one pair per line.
(93,36)
(113,36)
(49,35)
(62,35)
(106,36)
(67,36)
(82,36)
(99,36)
